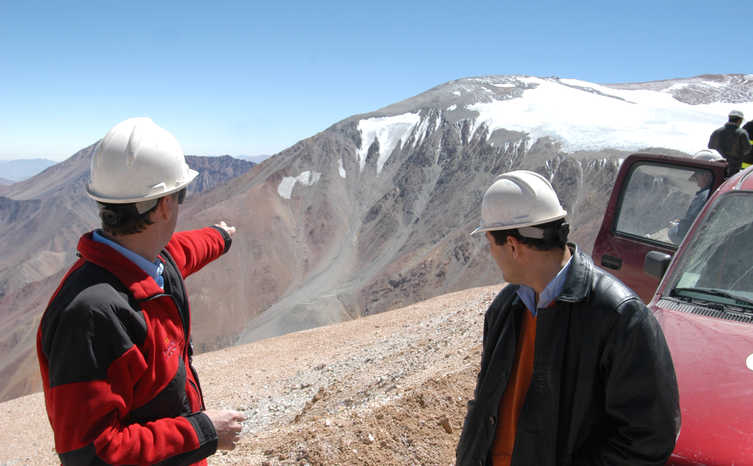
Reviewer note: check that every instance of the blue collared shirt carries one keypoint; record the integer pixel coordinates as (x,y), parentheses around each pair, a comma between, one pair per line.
(153,269)
(550,293)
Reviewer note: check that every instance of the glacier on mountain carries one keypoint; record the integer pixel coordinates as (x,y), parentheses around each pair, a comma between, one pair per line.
(587,116)
(578,115)
(389,131)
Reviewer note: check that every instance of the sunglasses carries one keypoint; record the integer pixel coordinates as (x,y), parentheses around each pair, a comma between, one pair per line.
(181,196)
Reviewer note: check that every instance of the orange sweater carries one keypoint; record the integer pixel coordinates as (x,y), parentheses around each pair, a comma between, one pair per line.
(515,393)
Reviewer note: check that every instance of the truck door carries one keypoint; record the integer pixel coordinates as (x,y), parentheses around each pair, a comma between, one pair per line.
(654,200)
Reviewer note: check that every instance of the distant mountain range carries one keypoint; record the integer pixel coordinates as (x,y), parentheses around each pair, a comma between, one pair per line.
(253,158)
(374,212)
(12,171)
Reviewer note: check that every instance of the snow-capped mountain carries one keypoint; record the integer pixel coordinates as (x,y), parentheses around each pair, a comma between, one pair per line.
(578,115)
(378,206)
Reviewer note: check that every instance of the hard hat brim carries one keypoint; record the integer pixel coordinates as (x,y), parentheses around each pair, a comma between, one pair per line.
(192,174)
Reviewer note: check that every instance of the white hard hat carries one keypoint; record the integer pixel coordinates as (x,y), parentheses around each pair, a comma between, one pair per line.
(711,155)
(736,114)
(519,199)
(137,161)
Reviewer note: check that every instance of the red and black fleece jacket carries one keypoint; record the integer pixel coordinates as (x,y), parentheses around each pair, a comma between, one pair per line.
(115,356)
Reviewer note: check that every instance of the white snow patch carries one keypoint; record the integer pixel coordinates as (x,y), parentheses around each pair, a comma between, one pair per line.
(340,168)
(457,93)
(389,131)
(307,178)
(714,83)
(421,132)
(503,84)
(677,87)
(531,80)
(582,120)
(452,107)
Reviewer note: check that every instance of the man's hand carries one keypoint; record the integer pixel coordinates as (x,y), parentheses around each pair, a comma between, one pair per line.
(227,423)
(230,230)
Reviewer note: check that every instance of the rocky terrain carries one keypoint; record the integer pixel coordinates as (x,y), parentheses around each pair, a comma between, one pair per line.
(390,389)
(705,89)
(215,171)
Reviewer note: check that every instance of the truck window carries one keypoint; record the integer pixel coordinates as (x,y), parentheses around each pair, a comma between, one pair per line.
(719,255)
(660,202)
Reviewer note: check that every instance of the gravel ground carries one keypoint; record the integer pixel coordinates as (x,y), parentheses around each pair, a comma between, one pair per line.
(386,389)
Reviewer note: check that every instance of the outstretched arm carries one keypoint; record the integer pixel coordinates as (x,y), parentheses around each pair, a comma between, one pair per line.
(192,250)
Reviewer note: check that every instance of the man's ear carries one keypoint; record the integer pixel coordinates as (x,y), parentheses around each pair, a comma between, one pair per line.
(162,211)
(516,247)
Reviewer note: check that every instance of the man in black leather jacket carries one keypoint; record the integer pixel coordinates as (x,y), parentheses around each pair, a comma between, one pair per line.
(732,142)
(575,369)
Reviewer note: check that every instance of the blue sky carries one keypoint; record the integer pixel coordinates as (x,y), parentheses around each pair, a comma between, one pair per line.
(248,78)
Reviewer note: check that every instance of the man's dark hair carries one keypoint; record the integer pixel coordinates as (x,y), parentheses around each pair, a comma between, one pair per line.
(124,219)
(554,236)
(127,219)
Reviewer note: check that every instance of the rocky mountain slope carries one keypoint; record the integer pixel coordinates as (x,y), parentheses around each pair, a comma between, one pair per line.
(374,212)
(389,389)
(377,207)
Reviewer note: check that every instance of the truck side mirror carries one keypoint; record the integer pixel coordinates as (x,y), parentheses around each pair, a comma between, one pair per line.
(656,263)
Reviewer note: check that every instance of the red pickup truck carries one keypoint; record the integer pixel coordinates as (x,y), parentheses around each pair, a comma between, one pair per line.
(682,237)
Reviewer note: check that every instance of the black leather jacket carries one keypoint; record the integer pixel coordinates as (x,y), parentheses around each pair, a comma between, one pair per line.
(733,143)
(603,389)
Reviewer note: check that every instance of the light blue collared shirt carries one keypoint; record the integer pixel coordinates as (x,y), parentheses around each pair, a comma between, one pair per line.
(550,293)
(153,269)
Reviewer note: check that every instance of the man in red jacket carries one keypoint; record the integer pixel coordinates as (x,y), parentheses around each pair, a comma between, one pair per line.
(114,344)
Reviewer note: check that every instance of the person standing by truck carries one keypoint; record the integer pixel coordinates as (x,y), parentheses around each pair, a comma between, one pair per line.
(703,179)
(732,142)
(574,368)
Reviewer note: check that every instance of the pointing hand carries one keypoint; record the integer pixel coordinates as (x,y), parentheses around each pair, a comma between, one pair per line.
(230,230)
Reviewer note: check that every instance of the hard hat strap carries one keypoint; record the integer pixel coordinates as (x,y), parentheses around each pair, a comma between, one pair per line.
(532,232)
(549,232)
(145,207)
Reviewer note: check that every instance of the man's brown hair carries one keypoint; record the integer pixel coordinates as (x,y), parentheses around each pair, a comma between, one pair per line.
(124,219)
